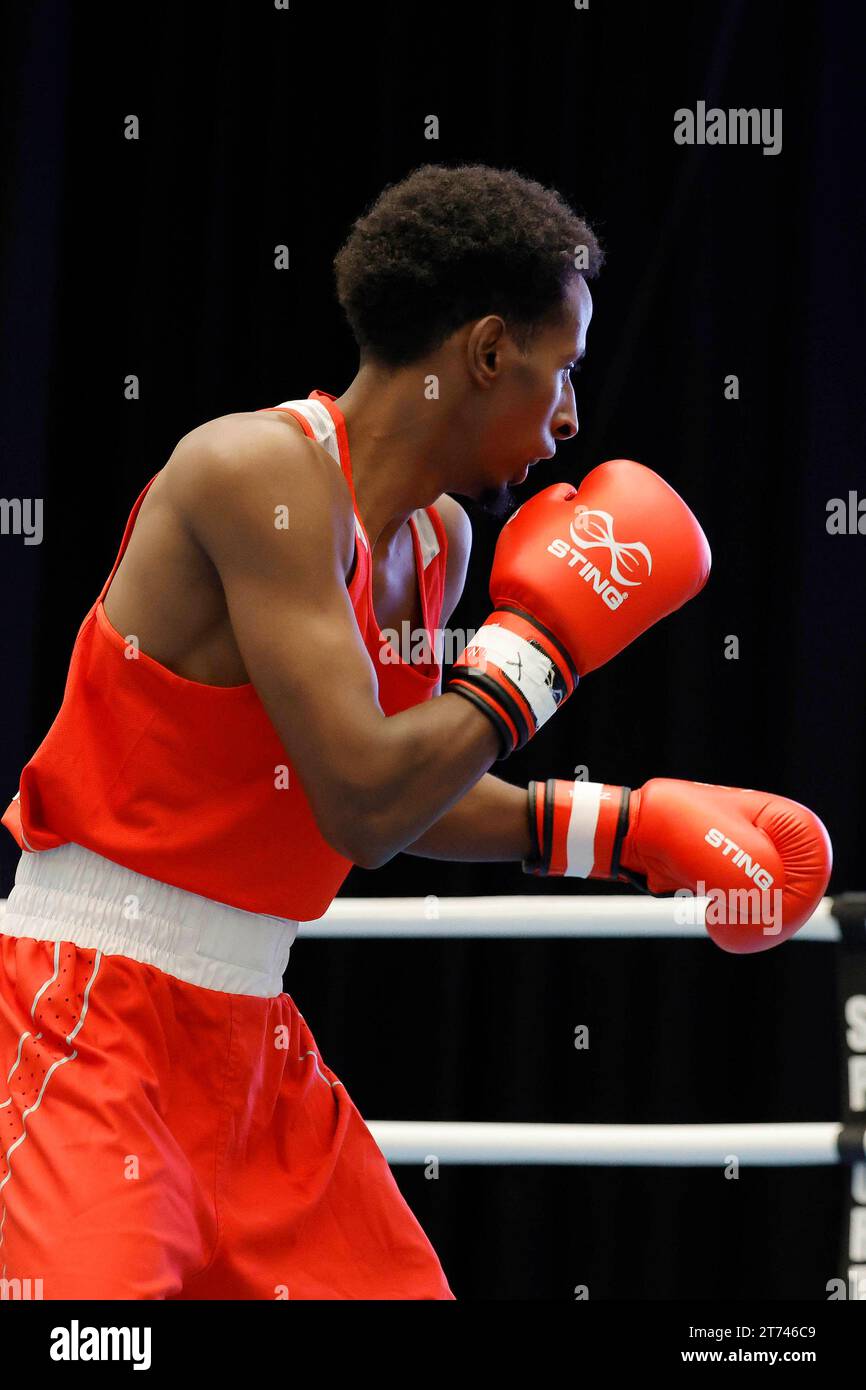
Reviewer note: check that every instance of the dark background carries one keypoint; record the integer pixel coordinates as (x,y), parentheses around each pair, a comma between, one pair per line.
(155,257)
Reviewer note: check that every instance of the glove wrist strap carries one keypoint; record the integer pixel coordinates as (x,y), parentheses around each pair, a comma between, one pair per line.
(577,829)
(516,672)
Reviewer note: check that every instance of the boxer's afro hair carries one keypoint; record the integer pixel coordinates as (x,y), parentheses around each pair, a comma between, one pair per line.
(448,245)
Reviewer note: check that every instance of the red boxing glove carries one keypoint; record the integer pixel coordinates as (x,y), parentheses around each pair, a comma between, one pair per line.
(578,573)
(762,861)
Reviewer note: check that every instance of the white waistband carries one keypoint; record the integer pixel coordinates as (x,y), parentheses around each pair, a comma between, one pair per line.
(72,894)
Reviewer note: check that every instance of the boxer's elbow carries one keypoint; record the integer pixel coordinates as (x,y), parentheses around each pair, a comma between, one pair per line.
(361,842)
(373,855)
(368,803)
(359,827)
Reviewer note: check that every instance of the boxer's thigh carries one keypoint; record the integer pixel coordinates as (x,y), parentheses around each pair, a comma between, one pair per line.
(311,1208)
(97,1199)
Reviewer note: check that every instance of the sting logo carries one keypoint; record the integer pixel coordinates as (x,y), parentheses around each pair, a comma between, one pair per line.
(592,529)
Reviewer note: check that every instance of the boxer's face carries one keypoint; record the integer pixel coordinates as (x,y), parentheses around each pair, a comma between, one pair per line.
(530,407)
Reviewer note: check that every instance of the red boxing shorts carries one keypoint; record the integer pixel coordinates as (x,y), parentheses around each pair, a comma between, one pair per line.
(167,1126)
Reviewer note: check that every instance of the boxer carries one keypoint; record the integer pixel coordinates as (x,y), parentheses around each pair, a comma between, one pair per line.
(231,741)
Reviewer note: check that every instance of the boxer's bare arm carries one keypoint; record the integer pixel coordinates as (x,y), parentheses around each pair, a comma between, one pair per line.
(375,783)
(490,823)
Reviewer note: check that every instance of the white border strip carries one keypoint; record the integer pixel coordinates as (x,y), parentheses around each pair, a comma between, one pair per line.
(679,1146)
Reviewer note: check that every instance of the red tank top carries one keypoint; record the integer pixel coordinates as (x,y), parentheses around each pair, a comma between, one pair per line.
(189,783)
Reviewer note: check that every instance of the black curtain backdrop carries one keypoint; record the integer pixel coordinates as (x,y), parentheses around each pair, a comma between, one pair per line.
(155,257)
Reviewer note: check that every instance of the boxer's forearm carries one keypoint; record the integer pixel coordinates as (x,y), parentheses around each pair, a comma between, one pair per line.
(491,822)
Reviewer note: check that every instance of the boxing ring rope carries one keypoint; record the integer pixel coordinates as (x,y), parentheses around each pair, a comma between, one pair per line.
(619,916)
(677,1146)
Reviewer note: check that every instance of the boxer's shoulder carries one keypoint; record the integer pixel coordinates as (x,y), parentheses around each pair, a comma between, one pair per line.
(250,444)
(458,530)
(237,469)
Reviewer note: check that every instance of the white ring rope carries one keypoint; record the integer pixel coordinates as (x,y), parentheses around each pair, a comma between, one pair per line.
(535,918)
(622,916)
(681,1146)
